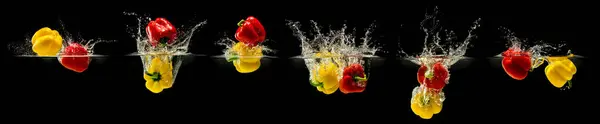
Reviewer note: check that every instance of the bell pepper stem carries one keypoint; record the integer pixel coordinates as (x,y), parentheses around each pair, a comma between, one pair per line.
(230,59)
(569,84)
(429,74)
(425,99)
(358,78)
(155,76)
(536,63)
(240,23)
(231,56)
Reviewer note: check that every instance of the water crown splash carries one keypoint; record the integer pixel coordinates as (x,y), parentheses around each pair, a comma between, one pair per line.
(327,55)
(433,44)
(170,55)
(560,69)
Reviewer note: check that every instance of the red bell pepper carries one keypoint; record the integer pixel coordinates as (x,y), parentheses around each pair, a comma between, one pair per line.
(250,31)
(354,80)
(516,63)
(435,78)
(77,59)
(161,31)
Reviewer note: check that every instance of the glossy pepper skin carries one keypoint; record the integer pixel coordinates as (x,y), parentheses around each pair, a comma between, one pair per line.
(76,57)
(325,77)
(159,75)
(354,79)
(250,31)
(425,104)
(560,70)
(516,63)
(46,42)
(161,32)
(245,59)
(435,78)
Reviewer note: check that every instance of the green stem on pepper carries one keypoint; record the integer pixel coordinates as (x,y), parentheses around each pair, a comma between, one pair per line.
(240,23)
(429,74)
(163,41)
(155,76)
(537,63)
(231,56)
(425,99)
(315,83)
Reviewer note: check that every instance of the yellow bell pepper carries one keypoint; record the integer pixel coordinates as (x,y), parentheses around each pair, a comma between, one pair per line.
(244,67)
(326,77)
(46,42)
(159,75)
(560,70)
(246,59)
(425,105)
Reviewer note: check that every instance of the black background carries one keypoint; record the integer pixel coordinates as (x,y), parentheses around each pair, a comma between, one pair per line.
(479,89)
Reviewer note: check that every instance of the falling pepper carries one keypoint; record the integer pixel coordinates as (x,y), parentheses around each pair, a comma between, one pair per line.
(435,78)
(560,70)
(161,32)
(325,77)
(516,63)
(76,57)
(425,104)
(46,42)
(354,80)
(250,31)
(159,75)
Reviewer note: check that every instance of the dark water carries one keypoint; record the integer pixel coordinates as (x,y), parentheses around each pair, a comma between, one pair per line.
(479,89)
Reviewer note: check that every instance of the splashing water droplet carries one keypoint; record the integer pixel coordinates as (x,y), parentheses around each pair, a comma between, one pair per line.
(335,46)
(539,50)
(173,52)
(335,41)
(439,46)
(25,48)
(434,50)
(228,43)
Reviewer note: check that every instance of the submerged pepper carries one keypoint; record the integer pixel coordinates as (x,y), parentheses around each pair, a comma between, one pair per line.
(159,75)
(560,70)
(516,63)
(435,77)
(354,80)
(246,59)
(250,31)
(325,77)
(76,57)
(426,104)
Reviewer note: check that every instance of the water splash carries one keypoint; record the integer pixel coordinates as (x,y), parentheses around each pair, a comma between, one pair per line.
(538,49)
(441,43)
(337,46)
(24,49)
(173,52)
(335,41)
(228,43)
(542,52)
